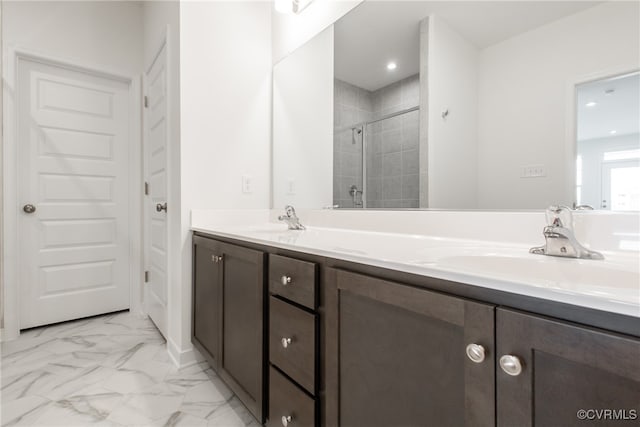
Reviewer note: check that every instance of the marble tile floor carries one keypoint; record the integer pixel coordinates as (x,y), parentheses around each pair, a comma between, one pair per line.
(110,370)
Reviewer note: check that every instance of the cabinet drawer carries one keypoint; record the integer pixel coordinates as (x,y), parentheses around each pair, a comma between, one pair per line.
(297,357)
(287,400)
(293,279)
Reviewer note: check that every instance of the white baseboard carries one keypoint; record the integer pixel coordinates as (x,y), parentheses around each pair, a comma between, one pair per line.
(183,358)
(5,335)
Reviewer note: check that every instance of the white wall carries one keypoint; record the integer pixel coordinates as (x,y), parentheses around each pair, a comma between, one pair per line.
(225,120)
(524,94)
(452,64)
(103,34)
(292,31)
(303,125)
(162,19)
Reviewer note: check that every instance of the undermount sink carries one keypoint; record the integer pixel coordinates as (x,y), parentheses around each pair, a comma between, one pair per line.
(569,274)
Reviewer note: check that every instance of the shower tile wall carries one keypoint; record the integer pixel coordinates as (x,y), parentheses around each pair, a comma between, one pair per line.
(392,144)
(352,106)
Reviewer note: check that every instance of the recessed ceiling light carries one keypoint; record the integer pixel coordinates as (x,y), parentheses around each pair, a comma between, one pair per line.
(613,132)
(591,104)
(392,66)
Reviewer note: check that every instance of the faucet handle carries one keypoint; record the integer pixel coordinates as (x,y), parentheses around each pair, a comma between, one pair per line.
(290,211)
(290,217)
(559,216)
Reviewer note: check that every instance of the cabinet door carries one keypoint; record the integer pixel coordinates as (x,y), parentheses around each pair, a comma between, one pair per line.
(242,361)
(402,358)
(207,303)
(565,369)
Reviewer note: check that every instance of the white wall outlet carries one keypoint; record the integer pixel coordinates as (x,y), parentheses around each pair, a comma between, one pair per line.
(247,184)
(533,171)
(291,186)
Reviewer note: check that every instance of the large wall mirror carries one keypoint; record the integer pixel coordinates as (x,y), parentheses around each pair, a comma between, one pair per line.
(464,105)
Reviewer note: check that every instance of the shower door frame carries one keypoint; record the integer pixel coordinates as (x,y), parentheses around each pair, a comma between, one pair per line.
(363,126)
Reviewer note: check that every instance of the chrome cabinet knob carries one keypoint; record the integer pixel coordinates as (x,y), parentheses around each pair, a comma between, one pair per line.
(475,352)
(285,280)
(286,419)
(29,208)
(511,365)
(286,342)
(161,207)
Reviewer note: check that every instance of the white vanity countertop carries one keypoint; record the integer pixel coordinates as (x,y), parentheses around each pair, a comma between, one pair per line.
(611,285)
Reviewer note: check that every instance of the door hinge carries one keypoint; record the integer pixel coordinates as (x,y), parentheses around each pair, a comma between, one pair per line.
(146,101)
(146,277)
(146,188)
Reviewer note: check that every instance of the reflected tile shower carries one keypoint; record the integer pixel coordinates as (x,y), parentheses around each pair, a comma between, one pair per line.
(353,106)
(393,162)
(391,173)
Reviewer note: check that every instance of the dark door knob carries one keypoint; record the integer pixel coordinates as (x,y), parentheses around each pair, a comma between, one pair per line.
(161,207)
(29,208)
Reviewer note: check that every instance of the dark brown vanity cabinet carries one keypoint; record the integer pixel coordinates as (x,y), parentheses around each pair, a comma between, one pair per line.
(229,317)
(560,374)
(401,356)
(348,348)
(293,342)
(207,298)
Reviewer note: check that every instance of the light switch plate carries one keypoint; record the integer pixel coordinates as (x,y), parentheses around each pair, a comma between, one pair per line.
(291,186)
(247,184)
(533,171)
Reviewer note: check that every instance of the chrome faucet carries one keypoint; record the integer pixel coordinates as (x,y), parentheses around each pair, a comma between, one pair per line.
(560,239)
(353,191)
(291,218)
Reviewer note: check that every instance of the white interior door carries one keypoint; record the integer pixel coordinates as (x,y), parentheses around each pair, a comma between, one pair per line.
(73,161)
(155,295)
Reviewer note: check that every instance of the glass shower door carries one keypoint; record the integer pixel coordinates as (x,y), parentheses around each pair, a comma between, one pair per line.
(392,161)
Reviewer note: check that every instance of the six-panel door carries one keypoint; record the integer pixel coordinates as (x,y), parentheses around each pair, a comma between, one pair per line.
(560,374)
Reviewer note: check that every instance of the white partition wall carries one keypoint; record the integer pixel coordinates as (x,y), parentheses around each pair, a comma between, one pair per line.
(303,125)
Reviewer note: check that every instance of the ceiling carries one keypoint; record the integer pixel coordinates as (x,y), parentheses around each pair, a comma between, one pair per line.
(377,32)
(618,110)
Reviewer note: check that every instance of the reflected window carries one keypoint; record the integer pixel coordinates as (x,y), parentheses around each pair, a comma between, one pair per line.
(622,185)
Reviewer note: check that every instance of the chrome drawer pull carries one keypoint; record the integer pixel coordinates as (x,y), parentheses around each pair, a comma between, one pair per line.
(475,352)
(511,365)
(285,280)
(286,419)
(286,342)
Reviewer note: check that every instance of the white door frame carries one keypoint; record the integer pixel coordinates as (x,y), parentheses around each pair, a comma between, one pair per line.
(571,121)
(10,206)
